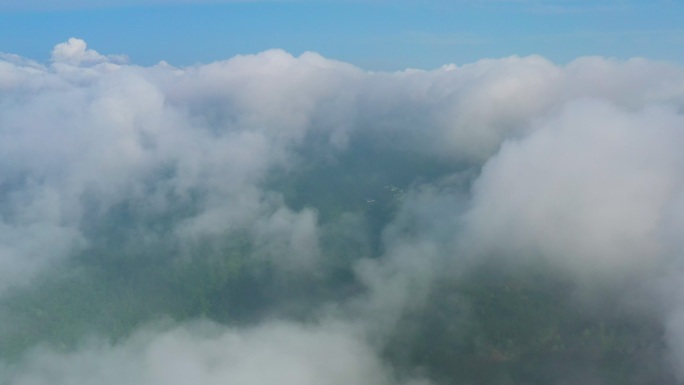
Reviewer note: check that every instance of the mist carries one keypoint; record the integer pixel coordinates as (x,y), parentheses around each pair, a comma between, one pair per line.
(272,218)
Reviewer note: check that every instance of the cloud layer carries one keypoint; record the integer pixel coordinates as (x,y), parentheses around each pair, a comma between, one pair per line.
(270,187)
(209,354)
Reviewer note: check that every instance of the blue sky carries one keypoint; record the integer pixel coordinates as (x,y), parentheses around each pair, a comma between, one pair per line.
(375,35)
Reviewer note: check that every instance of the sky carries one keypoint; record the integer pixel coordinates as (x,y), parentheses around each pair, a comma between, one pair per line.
(375,35)
(268,204)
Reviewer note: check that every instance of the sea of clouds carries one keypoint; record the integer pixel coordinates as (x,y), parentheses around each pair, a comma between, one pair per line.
(580,166)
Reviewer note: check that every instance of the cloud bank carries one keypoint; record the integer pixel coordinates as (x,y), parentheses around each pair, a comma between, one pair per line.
(208,354)
(302,215)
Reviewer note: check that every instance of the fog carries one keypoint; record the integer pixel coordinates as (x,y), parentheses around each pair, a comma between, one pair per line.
(271,218)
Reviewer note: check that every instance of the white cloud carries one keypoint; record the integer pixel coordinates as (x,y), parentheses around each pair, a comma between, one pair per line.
(214,132)
(204,353)
(75,52)
(289,239)
(577,164)
(589,188)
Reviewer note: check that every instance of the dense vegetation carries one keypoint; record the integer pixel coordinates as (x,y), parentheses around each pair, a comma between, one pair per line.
(501,326)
